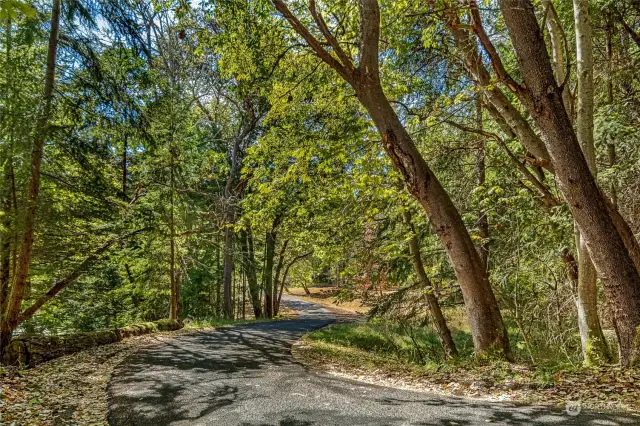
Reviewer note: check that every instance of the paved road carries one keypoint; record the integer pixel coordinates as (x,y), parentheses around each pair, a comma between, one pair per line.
(244,375)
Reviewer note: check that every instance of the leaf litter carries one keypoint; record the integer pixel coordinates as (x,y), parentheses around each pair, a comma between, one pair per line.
(70,390)
(607,388)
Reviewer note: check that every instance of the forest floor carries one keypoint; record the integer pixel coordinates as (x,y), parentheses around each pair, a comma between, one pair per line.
(71,389)
(342,354)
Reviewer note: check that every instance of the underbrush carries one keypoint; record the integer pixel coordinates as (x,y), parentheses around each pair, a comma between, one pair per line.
(284,314)
(402,343)
(215,322)
(419,348)
(393,354)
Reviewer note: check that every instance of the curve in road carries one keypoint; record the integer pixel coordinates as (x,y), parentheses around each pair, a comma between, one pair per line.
(244,375)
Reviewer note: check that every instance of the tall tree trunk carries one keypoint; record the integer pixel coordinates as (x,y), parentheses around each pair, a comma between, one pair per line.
(448,345)
(230,219)
(484,316)
(172,243)
(227,280)
(244,294)
(481,177)
(276,279)
(267,278)
(594,345)
(125,148)
(6,234)
(219,279)
(246,239)
(485,320)
(10,321)
(611,147)
(543,98)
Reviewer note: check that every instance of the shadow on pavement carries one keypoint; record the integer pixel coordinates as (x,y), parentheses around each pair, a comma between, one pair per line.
(244,375)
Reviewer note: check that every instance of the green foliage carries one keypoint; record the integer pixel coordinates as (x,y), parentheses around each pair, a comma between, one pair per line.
(143,132)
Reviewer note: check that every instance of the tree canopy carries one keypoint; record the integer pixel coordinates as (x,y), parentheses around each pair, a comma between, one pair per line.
(194,159)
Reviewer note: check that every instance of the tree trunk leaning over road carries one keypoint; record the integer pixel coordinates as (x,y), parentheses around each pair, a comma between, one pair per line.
(485,320)
(543,98)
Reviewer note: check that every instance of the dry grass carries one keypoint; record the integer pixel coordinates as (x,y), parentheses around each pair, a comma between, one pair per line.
(326,296)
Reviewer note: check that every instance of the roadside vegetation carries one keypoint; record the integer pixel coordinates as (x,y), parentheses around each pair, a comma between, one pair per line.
(411,357)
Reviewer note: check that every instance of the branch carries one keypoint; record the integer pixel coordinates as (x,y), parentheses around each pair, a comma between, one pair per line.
(547,197)
(567,53)
(311,40)
(333,42)
(554,26)
(496,61)
(205,110)
(286,274)
(74,275)
(369,37)
(499,119)
(634,35)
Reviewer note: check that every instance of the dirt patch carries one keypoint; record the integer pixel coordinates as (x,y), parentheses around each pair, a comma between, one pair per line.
(327,297)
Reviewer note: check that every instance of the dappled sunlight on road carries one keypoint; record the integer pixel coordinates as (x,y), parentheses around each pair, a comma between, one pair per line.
(244,375)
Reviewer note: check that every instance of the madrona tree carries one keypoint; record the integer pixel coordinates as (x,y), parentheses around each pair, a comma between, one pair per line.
(487,327)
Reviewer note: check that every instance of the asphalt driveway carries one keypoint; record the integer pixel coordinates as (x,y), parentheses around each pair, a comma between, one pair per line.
(244,375)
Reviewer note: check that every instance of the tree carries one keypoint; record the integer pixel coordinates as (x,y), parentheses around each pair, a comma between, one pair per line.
(11,315)
(594,345)
(543,97)
(483,313)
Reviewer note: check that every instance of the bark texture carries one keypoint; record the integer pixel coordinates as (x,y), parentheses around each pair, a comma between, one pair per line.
(229,233)
(594,345)
(227,275)
(246,239)
(276,279)
(543,98)
(267,278)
